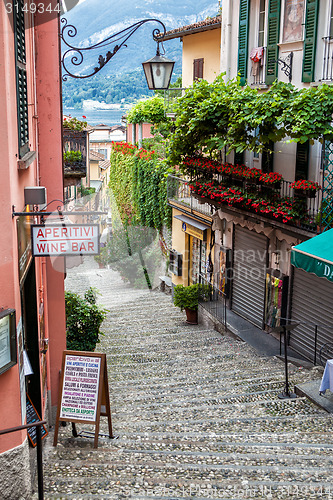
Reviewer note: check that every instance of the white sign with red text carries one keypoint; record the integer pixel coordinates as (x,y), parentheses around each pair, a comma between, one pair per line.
(65,239)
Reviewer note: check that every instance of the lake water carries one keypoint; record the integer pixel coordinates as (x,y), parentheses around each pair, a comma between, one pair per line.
(97,116)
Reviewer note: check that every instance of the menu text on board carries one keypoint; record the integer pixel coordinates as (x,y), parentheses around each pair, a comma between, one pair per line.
(80,388)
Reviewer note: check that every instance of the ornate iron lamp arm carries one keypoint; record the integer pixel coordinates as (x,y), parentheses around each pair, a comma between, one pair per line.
(76,54)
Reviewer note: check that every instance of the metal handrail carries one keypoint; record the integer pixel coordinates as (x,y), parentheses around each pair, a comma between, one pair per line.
(38,426)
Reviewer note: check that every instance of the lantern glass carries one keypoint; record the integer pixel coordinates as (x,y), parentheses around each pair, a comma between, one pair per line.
(158,71)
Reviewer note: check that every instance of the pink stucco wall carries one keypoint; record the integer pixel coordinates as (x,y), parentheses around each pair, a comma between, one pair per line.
(146,127)
(44,105)
(51,176)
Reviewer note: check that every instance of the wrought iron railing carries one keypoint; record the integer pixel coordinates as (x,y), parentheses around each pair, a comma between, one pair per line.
(328,59)
(214,302)
(178,191)
(38,425)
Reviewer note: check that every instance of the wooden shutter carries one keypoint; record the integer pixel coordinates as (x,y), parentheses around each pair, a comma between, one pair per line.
(309,52)
(273,34)
(239,158)
(21,79)
(197,69)
(302,161)
(243,39)
(267,158)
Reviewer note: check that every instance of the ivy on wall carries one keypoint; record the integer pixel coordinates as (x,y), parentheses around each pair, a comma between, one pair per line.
(138,182)
(211,116)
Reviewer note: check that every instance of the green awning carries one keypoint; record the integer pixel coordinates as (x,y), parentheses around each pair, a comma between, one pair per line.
(315,255)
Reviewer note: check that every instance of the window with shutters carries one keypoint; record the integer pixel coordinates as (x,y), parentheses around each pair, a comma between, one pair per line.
(198,69)
(21,78)
(310,38)
(257,54)
(273,34)
(243,37)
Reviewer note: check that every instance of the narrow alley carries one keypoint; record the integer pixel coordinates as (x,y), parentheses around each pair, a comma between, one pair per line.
(197,415)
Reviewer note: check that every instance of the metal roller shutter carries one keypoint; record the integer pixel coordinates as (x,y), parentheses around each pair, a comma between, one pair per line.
(248,293)
(312,304)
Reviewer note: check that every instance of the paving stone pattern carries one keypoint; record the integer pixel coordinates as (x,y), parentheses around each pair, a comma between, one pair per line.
(197,414)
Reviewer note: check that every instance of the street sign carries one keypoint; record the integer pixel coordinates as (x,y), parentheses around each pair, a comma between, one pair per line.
(65,239)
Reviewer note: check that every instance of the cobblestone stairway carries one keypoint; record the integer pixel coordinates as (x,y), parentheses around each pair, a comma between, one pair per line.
(197,415)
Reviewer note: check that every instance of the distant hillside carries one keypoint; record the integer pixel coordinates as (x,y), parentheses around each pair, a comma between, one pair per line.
(122,77)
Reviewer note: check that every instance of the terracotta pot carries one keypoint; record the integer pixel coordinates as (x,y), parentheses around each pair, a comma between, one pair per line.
(191,316)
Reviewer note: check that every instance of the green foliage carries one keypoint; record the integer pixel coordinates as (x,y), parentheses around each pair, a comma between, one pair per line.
(74,124)
(187,297)
(83,320)
(211,116)
(138,181)
(86,191)
(147,111)
(72,157)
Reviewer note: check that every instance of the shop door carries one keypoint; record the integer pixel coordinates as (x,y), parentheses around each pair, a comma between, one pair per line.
(248,289)
(197,261)
(30,322)
(312,304)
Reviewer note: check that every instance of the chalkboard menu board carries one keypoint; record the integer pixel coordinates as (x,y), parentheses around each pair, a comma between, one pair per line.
(32,416)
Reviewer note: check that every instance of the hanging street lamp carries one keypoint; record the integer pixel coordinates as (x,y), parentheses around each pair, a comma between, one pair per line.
(158,70)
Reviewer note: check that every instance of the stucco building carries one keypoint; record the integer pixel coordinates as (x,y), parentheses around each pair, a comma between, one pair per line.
(31,290)
(262,41)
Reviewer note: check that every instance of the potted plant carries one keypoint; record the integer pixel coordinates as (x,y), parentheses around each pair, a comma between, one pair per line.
(187,297)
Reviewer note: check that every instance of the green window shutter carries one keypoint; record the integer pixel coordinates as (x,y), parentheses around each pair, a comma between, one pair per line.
(309,52)
(21,79)
(273,34)
(302,161)
(243,39)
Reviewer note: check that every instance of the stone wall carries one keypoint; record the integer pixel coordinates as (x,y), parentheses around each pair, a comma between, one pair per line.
(15,473)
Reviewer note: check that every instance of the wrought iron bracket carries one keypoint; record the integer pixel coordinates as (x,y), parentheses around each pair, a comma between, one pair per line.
(75,55)
(287,65)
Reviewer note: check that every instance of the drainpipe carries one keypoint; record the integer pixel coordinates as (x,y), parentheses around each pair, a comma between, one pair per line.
(226,39)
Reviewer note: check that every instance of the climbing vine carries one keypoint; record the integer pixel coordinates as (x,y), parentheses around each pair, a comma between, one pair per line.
(138,182)
(147,111)
(211,116)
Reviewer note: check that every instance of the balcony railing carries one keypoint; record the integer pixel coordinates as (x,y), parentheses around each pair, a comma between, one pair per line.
(258,70)
(179,192)
(328,59)
(308,208)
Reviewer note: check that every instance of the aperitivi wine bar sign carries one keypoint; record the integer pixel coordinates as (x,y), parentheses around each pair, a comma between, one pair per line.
(65,239)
